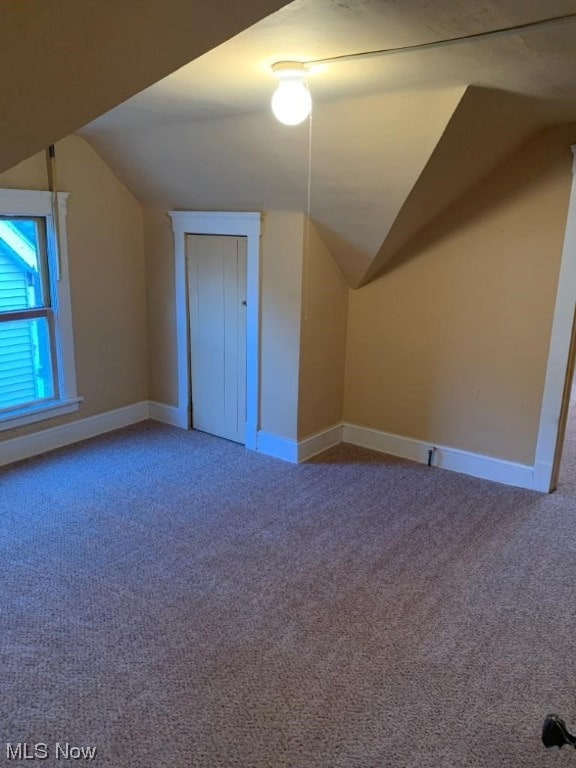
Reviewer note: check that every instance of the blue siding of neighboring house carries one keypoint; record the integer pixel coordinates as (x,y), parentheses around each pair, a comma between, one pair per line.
(17,374)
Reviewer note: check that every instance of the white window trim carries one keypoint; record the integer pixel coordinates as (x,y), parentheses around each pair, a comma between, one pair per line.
(20,202)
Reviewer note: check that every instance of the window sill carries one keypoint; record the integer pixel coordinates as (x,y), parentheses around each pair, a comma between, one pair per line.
(33,413)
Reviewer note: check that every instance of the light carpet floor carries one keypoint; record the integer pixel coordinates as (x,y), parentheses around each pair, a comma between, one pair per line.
(175,601)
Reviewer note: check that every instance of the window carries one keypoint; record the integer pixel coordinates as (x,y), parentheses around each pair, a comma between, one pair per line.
(37,375)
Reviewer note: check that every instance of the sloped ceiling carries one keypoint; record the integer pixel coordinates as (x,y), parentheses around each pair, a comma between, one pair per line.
(393,140)
(65,62)
(360,178)
(485,128)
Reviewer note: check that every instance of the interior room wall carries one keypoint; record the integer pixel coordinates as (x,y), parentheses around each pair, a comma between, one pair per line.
(281,291)
(107,281)
(160,292)
(322,338)
(281,297)
(450,346)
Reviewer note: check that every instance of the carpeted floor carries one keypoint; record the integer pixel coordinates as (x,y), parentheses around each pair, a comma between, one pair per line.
(177,601)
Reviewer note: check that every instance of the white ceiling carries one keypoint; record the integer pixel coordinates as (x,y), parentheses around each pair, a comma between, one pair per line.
(204,137)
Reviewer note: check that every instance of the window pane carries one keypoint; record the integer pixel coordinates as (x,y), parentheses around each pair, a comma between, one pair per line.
(22,263)
(25,362)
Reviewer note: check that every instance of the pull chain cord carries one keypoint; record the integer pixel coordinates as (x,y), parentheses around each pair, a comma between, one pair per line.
(53,187)
(308,209)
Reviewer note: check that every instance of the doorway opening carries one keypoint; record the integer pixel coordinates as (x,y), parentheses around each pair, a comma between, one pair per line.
(564,467)
(560,367)
(567,463)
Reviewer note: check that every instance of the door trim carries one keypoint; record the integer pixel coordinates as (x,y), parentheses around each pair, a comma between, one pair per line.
(219,223)
(554,409)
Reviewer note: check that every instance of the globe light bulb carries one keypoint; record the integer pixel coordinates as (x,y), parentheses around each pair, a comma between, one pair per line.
(291,102)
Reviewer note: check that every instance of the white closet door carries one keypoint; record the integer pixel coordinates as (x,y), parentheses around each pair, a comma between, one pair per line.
(217,304)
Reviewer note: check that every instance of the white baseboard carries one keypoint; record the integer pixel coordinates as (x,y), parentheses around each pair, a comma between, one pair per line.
(521,475)
(298,451)
(454,459)
(319,442)
(279,447)
(477,465)
(168,414)
(56,437)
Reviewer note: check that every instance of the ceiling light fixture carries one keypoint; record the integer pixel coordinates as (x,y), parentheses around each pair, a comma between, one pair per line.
(291,102)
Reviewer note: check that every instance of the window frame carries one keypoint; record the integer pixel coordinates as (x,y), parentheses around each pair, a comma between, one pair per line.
(18,203)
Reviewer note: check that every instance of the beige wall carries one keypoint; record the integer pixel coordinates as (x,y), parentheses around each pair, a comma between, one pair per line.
(160,292)
(282,249)
(322,338)
(107,282)
(451,346)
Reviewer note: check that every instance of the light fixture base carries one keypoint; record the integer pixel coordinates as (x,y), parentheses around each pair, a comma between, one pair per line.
(289,69)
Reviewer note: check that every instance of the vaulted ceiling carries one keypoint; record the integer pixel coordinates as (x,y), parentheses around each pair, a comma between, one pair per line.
(65,62)
(393,139)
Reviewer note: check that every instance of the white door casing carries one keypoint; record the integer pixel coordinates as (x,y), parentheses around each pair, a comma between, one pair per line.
(558,355)
(219,223)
